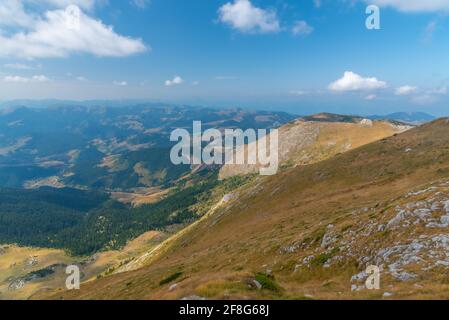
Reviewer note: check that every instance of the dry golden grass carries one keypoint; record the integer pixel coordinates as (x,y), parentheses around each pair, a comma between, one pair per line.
(13,265)
(150,197)
(245,237)
(136,199)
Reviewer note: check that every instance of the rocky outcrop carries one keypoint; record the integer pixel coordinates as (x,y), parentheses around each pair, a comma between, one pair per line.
(408,242)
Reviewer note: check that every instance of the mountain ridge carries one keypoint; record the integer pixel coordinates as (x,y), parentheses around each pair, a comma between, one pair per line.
(406,117)
(318,137)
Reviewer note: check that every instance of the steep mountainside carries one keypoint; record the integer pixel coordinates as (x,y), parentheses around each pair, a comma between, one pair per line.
(319,137)
(312,230)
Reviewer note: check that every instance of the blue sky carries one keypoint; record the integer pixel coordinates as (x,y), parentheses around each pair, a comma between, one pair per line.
(300,56)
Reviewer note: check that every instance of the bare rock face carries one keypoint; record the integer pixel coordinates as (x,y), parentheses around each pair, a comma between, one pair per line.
(173,287)
(16,285)
(408,242)
(367,123)
(3,250)
(32,261)
(421,241)
(329,238)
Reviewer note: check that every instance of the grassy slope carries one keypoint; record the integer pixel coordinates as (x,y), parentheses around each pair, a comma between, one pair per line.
(221,254)
(319,141)
(13,264)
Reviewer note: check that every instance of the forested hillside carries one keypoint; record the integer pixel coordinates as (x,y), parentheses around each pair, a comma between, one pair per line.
(84,222)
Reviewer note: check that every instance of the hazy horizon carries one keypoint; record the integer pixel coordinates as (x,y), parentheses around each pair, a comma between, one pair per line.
(42,103)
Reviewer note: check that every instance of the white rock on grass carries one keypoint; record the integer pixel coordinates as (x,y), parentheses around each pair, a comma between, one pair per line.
(446,206)
(193,298)
(396,220)
(359,277)
(257,284)
(444,220)
(173,287)
(404,276)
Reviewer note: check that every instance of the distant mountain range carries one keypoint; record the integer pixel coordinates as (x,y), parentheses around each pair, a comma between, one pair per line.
(414,118)
(100,147)
(407,117)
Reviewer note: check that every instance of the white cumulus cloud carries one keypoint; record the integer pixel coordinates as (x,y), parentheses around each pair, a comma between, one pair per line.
(353,82)
(15,79)
(16,13)
(19,79)
(40,78)
(84,4)
(242,15)
(61,32)
(120,83)
(12,13)
(19,66)
(175,81)
(302,28)
(405,90)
